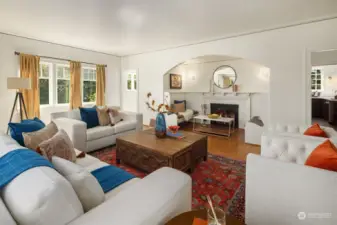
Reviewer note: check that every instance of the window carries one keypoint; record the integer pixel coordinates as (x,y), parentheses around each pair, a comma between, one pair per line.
(317,79)
(44,83)
(62,84)
(54,83)
(89,85)
(132,82)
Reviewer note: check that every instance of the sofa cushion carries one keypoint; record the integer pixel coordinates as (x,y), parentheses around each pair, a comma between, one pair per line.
(5,216)
(17,129)
(41,196)
(324,157)
(59,145)
(84,183)
(33,139)
(89,116)
(100,132)
(315,130)
(103,116)
(125,125)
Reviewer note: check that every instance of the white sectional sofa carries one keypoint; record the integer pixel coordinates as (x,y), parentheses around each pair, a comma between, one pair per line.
(41,196)
(98,137)
(280,189)
(298,130)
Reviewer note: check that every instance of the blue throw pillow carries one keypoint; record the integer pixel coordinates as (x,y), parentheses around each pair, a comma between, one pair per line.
(89,116)
(180,101)
(29,125)
(35,119)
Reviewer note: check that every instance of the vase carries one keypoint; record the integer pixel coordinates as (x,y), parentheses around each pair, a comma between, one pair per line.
(160,126)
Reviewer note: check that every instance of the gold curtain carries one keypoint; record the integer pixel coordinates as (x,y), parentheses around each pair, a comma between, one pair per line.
(100,85)
(29,68)
(75,85)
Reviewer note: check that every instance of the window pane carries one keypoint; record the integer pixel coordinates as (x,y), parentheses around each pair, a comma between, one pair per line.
(44,91)
(85,74)
(318,87)
(44,71)
(89,91)
(318,77)
(129,85)
(67,72)
(59,72)
(63,87)
(135,85)
(313,87)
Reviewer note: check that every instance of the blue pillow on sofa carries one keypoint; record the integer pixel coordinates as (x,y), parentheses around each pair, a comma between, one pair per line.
(29,125)
(89,116)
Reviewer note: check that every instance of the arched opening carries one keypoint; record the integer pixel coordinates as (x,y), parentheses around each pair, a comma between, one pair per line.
(212,83)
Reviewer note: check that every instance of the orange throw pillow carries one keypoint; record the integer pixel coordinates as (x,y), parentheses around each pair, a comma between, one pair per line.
(315,130)
(198,221)
(324,156)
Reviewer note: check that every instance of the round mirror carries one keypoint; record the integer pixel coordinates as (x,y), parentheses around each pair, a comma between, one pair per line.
(224,77)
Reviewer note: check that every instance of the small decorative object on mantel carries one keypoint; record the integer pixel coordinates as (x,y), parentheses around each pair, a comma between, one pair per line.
(235,88)
(161,109)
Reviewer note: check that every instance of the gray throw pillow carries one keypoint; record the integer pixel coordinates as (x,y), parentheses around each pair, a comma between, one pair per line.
(256,120)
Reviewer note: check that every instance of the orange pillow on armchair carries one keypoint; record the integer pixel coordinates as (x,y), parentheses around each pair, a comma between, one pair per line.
(324,156)
(315,130)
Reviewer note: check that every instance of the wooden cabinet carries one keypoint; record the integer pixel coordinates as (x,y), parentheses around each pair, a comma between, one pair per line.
(317,107)
(326,105)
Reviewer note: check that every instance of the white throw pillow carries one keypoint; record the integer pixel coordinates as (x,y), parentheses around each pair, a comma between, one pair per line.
(86,186)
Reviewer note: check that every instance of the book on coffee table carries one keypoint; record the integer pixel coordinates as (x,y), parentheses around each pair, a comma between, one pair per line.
(177,135)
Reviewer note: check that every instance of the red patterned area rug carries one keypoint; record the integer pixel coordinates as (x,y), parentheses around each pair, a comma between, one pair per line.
(222,178)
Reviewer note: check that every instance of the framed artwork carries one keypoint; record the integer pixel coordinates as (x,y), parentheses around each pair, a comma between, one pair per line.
(175,81)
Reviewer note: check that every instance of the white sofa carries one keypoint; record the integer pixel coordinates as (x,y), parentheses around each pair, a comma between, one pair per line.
(41,196)
(298,130)
(254,132)
(280,189)
(98,137)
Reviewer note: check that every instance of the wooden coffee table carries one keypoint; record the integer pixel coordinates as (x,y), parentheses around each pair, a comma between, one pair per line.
(188,217)
(145,151)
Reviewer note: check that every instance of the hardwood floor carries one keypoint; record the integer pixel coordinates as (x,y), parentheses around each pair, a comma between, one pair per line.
(234,147)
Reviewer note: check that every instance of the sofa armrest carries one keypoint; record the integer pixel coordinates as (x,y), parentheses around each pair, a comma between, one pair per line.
(153,200)
(282,190)
(133,116)
(76,130)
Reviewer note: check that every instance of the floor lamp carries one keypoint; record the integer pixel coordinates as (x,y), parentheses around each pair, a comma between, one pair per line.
(18,83)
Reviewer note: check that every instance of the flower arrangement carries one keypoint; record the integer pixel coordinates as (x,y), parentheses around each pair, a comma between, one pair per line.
(151,104)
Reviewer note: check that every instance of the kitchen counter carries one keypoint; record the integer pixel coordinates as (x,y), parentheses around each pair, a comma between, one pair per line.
(326,98)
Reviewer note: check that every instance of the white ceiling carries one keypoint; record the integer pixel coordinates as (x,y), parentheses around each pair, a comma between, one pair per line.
(209,58)
(124,27)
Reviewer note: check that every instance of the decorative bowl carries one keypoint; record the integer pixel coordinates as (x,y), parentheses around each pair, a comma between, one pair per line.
(174,129)
(213,116)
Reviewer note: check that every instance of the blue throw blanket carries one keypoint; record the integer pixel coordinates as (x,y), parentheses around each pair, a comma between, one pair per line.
(18,161)
(110,177)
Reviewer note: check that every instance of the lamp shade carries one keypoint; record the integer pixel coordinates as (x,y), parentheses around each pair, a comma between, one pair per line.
(18,83)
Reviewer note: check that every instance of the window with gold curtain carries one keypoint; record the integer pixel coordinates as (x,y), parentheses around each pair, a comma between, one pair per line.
(100,85)
(29,68)
(75,85)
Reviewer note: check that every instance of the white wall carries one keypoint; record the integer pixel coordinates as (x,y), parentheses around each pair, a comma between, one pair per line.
(197,77)
(9,66)
(284,51)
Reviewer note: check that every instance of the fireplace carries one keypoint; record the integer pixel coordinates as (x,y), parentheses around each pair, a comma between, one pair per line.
(228,109)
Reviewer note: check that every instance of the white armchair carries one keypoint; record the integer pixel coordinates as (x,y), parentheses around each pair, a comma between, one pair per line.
(280,189)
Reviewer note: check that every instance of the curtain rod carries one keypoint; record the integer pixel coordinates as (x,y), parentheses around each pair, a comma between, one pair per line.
(47,57)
